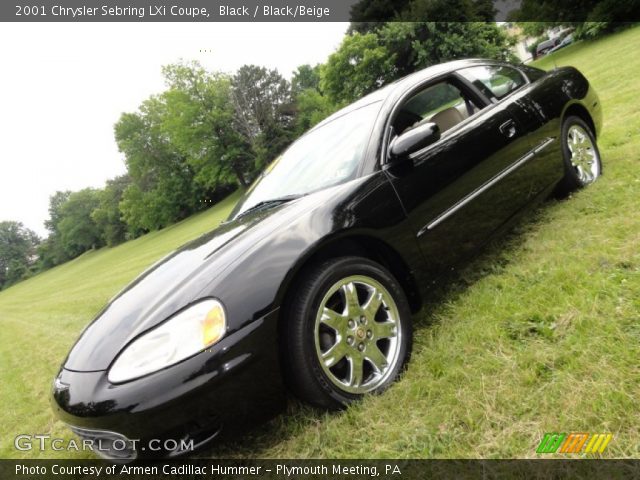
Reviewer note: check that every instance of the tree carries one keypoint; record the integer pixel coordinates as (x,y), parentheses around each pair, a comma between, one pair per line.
(50,251)
(590,18)
(162,186)
(311,108)
(305,77)
(418,45)
(17,252)
(56,201)
(207,131)
(311,105)
(263,112)
(365,62)
(107,215)
(359,66)
(199,122)
(144,211)
(77,230)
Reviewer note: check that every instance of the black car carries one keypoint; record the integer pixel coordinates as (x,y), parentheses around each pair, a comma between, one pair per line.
(311,282)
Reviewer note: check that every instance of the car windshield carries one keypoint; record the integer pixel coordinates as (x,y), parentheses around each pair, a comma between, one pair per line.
(326,156)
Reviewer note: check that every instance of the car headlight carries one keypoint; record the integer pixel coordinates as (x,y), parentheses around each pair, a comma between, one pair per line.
(182,336)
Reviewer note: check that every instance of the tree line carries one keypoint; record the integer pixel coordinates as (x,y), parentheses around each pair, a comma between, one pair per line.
(209,133)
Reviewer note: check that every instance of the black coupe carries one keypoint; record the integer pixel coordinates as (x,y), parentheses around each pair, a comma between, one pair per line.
(311,282)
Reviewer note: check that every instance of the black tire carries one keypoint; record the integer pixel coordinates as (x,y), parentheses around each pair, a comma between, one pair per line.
(574,177)
(306,376)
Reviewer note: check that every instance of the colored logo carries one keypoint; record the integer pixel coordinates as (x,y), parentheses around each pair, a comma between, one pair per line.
(574,442)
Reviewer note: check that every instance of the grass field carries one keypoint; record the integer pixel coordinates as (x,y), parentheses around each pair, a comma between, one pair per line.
(541,333)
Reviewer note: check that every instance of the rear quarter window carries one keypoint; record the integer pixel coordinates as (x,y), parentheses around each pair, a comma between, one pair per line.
(533,73)
(495,81)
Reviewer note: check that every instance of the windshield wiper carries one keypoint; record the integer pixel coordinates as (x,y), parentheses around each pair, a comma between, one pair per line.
(272,202)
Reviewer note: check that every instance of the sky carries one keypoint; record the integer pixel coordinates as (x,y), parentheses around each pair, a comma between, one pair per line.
(64,85)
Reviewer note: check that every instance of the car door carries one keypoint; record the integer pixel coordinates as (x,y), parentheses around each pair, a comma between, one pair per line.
(532,102)
(460,189)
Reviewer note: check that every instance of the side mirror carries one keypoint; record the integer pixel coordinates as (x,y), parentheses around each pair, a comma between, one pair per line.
(415,139)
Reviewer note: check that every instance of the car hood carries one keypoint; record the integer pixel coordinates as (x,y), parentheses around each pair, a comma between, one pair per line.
(178,280)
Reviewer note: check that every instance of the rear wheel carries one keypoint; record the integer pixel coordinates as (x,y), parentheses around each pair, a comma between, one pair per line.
(580,153)
(348,332)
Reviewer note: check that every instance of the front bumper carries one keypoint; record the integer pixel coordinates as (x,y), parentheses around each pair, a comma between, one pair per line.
(231,385)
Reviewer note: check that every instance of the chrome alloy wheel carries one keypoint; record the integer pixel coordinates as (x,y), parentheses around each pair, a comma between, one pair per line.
(584,157)
(357,334)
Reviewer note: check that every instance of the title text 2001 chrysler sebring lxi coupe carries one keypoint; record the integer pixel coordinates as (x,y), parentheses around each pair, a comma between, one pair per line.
(312,280)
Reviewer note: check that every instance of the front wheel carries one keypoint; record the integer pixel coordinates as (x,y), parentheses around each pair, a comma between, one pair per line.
(348,332)
(581,156)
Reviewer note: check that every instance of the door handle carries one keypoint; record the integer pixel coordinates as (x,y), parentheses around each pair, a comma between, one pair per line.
(508,128)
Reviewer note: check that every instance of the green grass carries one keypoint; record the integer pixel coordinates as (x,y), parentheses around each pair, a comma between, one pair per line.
(541,333)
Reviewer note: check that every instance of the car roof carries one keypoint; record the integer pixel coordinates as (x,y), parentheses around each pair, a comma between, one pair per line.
(405,83)
(546,43)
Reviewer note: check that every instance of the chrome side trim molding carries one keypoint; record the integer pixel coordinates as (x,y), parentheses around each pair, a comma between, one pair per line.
(486,186)
(544,144)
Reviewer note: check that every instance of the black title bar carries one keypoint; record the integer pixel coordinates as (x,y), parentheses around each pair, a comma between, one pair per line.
(174,11)
(566,11)
(319,469)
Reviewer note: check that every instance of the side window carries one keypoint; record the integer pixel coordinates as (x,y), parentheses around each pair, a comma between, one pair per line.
(442,103)
(495,81)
